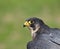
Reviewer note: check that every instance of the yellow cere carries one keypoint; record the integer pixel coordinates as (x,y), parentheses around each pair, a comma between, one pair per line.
(27,23)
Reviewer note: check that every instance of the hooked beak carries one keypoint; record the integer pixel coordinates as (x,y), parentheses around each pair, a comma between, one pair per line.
(26,24)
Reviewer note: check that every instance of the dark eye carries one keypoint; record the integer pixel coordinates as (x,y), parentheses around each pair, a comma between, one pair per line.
(31,21)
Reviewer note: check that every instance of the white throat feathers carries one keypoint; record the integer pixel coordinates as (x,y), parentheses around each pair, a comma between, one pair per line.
(33,32)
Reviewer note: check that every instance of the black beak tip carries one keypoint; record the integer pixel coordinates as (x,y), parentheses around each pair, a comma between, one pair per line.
(24,26)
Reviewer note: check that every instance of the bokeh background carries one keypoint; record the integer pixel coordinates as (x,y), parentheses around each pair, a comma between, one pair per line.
(13,14)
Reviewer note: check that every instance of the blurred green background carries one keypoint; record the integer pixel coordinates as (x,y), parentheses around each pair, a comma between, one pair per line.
(13,14)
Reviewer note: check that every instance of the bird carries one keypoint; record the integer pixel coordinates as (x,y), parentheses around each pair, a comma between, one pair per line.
(43,36)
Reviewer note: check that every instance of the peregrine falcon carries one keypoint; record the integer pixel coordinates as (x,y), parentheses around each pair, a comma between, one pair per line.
(43,37)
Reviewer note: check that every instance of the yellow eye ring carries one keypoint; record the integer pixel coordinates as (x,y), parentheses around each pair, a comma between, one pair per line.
(30,22)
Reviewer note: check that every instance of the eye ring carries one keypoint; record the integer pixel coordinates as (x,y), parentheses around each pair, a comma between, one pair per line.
(31,22)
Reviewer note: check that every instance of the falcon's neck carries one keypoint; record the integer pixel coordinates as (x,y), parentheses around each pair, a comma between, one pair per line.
(33,32)
(39,30)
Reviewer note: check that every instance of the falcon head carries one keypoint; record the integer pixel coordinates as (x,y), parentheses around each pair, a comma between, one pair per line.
(34,24)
